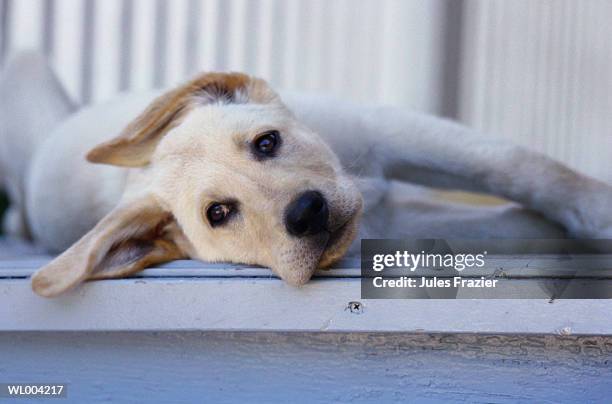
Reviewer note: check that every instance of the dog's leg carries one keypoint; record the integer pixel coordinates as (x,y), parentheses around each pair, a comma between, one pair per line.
(432,151)
(32,102)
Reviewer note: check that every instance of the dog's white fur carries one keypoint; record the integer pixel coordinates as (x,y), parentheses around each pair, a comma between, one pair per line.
(329,145)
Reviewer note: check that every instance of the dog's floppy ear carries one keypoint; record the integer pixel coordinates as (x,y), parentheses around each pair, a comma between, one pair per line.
(135,144)
(136,234)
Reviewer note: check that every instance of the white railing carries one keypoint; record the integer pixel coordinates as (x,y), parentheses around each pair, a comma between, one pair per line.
(381,50)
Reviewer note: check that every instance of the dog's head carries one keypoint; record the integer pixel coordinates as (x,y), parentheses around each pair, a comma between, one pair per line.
(221,171)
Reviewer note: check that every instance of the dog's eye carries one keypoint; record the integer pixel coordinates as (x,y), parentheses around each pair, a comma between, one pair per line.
(266,143)
(218,213)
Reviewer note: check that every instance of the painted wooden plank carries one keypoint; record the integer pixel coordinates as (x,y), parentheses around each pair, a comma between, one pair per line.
(143,57)
(5,13)
(126,45)
(68,46)
(88,31)
(209,36)
(180,269)
(271,305)
(192,41)
(176,38)
(24,23)
(106,55)
(519,267)
(195,367)
(160,48)
(48,24)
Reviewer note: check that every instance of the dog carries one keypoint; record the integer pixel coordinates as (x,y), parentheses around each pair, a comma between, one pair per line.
(222,168)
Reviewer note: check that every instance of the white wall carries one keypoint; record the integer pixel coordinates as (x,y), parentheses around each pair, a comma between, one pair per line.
(384,50)
(536,71)
(540,73)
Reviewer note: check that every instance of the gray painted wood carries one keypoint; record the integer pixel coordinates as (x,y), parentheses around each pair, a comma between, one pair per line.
(250,304)
(87,45)
(160,49)
(219,333)
(48,24)
(5,12)
(312,368)
(126,52)
(184,295)
(222,34)
(502,267)
(192,37)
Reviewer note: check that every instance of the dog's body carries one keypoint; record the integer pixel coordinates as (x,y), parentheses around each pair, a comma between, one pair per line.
(93,190)
(58,196)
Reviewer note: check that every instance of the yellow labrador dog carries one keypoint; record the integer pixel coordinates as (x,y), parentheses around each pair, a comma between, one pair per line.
(223,169)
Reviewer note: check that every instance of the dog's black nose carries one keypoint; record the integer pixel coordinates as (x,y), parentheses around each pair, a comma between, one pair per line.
(307,214)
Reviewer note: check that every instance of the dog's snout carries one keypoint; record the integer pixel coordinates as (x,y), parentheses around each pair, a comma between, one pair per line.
(307,214)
